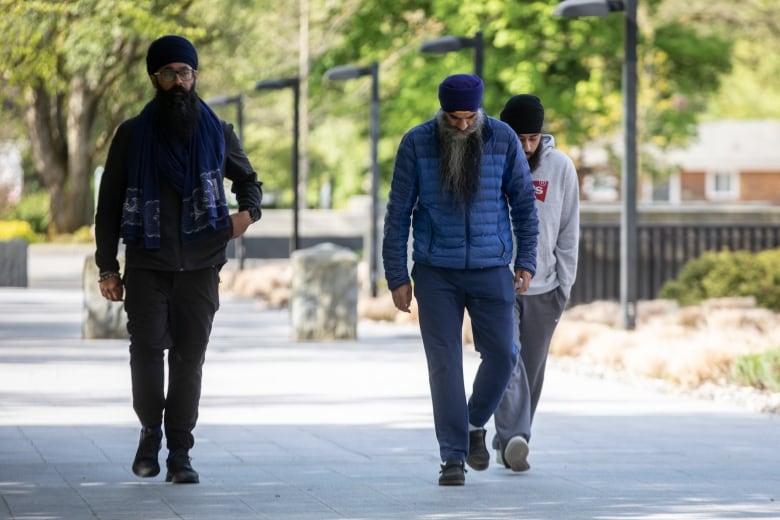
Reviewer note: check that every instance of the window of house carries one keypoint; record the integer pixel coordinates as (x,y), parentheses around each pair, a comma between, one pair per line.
(723,185)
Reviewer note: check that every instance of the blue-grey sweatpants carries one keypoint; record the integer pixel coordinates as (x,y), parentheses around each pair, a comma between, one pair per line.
(537,317)
(442,296)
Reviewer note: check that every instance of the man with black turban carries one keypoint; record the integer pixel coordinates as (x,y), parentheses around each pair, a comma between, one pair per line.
(162,194)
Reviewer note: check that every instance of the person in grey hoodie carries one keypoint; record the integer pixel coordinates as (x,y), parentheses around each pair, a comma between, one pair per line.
(538,309)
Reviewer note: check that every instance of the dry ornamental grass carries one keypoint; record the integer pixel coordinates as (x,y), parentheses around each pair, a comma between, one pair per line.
(687,348)
(692,347)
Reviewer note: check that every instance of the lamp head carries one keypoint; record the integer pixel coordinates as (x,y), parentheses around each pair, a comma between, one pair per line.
(588,7)
(272,84)
(346,72)
(442,45)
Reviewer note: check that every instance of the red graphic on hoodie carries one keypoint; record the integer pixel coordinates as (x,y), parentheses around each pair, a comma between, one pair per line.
(540,190)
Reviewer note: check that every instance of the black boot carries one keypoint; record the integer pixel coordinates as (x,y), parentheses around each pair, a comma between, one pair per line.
(479,457)
(453,473)
(146,463)
(179,468)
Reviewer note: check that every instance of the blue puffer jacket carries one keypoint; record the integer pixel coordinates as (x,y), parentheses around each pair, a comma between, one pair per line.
(446,236)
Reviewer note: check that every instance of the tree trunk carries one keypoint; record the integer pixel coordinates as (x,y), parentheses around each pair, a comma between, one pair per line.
(80,122)
(59,137)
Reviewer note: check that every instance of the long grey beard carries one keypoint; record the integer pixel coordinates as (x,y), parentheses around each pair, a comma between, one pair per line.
(461,158)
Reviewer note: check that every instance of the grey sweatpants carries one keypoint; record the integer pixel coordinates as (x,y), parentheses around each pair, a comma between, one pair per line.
(536,319)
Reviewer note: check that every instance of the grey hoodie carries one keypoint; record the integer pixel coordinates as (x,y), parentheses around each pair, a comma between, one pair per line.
(558,208)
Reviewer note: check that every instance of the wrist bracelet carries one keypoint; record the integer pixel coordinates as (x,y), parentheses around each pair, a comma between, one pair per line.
(107,275)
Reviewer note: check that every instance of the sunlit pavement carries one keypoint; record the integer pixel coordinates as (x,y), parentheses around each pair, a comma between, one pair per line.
(343,430)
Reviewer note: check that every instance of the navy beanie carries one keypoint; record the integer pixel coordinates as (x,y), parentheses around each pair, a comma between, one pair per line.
(524,113)
(170,49)
(461,93)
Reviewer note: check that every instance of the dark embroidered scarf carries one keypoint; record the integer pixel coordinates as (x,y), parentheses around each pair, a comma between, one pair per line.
(193,168)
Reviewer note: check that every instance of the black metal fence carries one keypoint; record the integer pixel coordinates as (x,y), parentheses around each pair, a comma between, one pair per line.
(662,251)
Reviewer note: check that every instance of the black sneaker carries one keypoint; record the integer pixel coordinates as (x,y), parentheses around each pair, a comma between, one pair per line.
(453,473)
(479,457)
(179,468)
(146,463)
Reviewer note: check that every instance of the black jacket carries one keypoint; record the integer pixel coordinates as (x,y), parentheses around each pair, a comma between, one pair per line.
(172,254)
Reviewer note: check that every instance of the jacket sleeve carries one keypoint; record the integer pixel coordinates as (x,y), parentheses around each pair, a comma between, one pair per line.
(567,246)
(520,193)
(401,201)
(111,198)
(245,185)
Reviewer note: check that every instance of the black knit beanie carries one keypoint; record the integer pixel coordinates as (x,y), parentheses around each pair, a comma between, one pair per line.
(524,113)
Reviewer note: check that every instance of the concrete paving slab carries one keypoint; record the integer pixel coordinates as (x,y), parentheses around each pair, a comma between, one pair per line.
(343,430)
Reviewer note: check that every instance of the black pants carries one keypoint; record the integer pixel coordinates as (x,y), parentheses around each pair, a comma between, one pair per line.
(174,311)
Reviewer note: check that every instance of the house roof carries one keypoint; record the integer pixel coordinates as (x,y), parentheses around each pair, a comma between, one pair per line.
(731,145)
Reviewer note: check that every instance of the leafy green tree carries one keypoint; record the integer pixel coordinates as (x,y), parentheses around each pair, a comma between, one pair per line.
(752,26)
(262,41)
(573,64)
(65,68)
(72,70)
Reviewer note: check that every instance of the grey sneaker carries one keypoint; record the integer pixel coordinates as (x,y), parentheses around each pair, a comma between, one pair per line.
(499,452)
(479,457)
(516,454)
(500,458)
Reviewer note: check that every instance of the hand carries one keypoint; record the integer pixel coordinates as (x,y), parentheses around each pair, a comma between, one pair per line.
(112,289)
(241,222)
(402,297)
(522,281)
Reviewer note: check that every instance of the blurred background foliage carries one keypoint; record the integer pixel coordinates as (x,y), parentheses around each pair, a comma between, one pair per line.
(71,70)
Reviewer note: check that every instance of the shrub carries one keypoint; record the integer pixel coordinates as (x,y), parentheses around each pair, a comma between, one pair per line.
(688,288)
(767,290)
(760,370)
(33,208)
(82,235)
(728,273)
(13,229)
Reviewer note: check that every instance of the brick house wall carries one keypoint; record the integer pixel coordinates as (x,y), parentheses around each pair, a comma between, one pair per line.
(743,155)
(692,186)
(760,186)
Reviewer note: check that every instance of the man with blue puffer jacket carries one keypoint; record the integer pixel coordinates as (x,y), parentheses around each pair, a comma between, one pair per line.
(462,184)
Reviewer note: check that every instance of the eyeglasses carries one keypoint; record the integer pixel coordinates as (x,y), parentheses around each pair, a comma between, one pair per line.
(169,75)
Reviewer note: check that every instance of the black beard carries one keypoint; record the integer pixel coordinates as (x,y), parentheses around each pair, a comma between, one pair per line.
(460,161)
(533,161)
(178,110)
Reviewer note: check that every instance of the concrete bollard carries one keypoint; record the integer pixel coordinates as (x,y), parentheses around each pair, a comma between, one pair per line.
(13,263)
(324,293)
(102,319)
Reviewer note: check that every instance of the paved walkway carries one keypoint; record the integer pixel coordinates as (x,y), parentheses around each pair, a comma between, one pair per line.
(343,430)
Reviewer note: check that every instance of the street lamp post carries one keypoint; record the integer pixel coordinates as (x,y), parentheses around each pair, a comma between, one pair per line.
(628,224)
(237,100)
(447,44)
(294,84)
(345,72)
